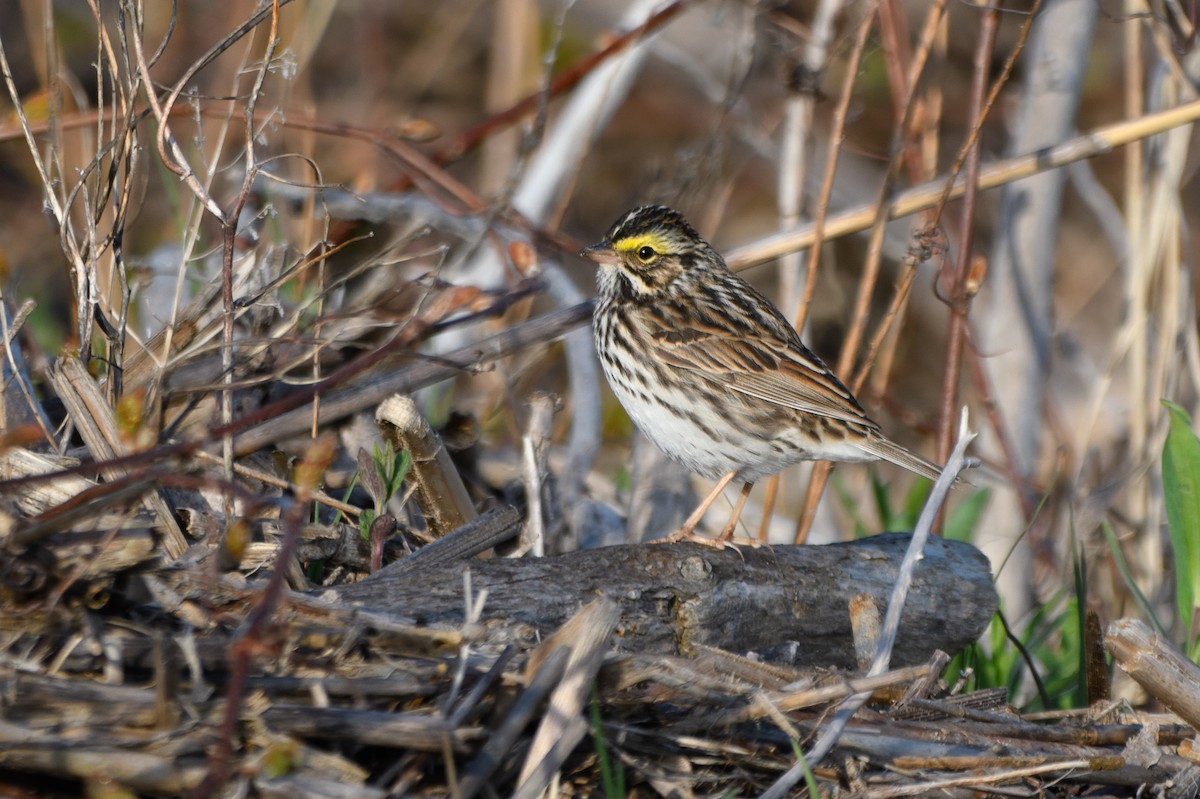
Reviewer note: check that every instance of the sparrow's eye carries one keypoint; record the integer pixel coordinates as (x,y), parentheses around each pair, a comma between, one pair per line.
(646,254)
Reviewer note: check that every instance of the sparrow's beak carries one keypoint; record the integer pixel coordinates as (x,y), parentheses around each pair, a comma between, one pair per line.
(602,253)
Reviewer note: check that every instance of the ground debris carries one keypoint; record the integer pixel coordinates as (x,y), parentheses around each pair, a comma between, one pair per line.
(123,675)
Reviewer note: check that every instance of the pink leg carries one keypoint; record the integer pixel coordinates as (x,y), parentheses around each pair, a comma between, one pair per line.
(688,529)
(727,533)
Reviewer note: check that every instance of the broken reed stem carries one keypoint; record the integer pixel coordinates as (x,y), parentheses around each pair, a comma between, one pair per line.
(439,489)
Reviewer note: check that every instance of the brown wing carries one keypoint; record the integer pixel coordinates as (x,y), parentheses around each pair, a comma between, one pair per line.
(766,366)
(788,376)
(764,359)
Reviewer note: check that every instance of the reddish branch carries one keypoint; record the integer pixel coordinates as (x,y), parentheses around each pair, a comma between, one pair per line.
(562,82)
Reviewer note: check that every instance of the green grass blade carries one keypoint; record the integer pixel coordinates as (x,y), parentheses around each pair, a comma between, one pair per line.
(612,774)
(810,779)
(1181,492)
(1118,555)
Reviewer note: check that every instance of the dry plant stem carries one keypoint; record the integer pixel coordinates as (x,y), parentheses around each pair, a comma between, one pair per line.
(893,34)
(934,787)
(839,131)
(874,259)
(93,416)
(921,157)
(820,471)
(439,489)
(924,528)
(908,274)
(88,503)
(866,287)
(500,742)
(39,498)
(1147,340)
(430,177)
(418,731)
(511,53)
(279,482)
(84,500)
(1135,105)
(921,688)
(1016,324)
(281,419)
(987,397)
(817,479)
(175,159)
(15,381)
(787,701)
(229,244)
(121,148)
(770,496)
(925,524)
(425,174)
(1157,665)
(935,193)
(545,179)
(152,774)
(909,102)
(932,194)
(61,213)
(959,301)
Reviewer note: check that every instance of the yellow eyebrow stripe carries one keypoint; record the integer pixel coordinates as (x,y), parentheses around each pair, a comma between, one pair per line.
(634,243)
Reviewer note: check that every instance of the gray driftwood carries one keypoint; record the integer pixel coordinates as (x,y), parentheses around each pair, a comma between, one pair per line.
(787,603)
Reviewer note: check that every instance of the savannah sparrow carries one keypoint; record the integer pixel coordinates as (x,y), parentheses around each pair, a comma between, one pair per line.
(711,371)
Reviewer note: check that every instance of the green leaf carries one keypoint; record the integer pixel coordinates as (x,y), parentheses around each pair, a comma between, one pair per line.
(1181,492)
(400,466)
(391,467)
(365,518)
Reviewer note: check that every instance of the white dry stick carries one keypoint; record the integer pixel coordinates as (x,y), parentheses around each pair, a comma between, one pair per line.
(564,723)
(582,118)
(797,135)
(534,445)
(937,497)
(472,612)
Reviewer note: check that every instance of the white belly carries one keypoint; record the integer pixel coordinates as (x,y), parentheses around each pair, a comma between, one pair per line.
(701,439)
(710,442)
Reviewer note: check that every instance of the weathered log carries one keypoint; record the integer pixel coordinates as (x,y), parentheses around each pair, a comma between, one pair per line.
(786,603)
